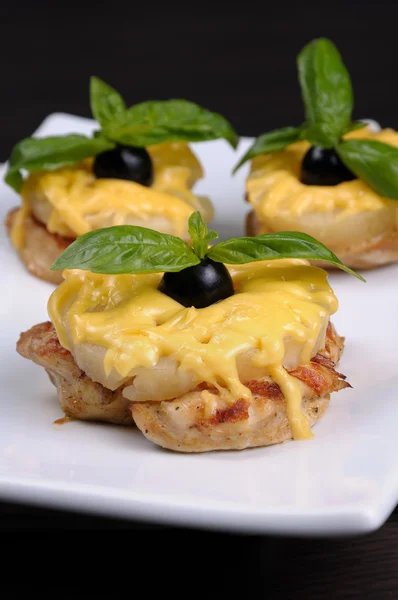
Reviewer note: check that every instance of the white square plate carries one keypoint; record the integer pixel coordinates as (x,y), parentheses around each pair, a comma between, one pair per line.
(344,481)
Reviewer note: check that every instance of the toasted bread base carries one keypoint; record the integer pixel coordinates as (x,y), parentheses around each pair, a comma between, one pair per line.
(371,254)
(41,247)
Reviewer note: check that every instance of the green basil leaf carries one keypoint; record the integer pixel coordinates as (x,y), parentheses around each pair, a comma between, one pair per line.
(273,141)
(373,162)
(14,179)
(326,88)
(107,105)
(34,154)
(127,249)
(200,235)
(169,121)
(354,126)
(270,246)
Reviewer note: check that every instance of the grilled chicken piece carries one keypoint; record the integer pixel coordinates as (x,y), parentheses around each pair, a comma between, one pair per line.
(199,420)
(368,253)
(79,396)
(41,247)
(198,423)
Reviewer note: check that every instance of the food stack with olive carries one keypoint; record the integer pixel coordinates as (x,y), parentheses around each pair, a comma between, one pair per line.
(193,275)
(328,100)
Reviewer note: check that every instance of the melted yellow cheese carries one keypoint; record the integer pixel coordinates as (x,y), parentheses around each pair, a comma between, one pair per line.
(274,188)
(279,307)
(71,201)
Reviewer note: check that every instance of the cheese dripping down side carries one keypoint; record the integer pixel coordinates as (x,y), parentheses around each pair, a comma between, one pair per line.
(71,201)
(123,332)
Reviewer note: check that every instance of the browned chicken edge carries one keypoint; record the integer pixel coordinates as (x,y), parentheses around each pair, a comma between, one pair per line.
(79,396)
(182,424)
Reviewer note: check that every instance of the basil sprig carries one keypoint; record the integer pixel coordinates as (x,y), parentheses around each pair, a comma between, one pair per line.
(132,249)
(326,90)
(140,125)
(328,101)
(127,249)
(155,122)
(200,235)
(106,104)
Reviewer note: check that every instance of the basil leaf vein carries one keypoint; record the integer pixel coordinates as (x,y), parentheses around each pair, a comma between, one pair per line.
(127,249)
(270,246)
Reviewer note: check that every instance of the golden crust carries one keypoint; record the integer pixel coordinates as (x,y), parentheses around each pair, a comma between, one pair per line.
(41,247)
(382,250)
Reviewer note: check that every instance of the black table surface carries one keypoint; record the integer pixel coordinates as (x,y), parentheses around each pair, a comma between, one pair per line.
(271,567)
(238,59)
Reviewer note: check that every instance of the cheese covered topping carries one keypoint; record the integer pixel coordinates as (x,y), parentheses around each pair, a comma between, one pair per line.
(274,188)
(71,201)
(122,331)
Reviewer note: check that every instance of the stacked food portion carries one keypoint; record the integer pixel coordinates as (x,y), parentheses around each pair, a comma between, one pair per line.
(136,169)
(204,347)
(330,177)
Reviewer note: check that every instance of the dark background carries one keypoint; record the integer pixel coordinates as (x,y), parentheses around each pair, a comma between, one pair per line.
(237,59)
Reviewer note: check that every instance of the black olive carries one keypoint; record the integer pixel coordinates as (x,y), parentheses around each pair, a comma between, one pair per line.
(125,162)
(199,286)
(324,167)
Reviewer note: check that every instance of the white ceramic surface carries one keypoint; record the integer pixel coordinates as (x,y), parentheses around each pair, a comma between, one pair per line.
(343,481)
